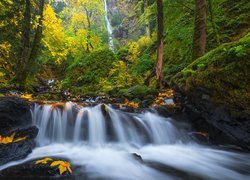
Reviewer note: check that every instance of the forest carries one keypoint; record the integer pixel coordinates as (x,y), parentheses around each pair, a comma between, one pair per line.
(111,73)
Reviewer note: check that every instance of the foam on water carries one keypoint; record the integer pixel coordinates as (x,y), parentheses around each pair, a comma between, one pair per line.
(102,140)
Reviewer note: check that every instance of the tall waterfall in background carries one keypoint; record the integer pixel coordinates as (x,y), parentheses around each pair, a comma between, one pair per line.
(109,27)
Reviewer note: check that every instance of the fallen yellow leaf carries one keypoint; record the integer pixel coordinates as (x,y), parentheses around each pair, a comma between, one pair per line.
(69,169)
(27,96)
(11,139)
(62,169)
(20,139)
(44,161)
(8,139)
(62,166)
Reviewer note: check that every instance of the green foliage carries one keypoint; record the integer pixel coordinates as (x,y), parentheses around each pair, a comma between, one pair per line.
(143,65)
(89,72)
(75,40)
(135,92)
(201,67)
(221,71)
(238,51)
(122,53)
(48,97)
(116,19)
(120,76)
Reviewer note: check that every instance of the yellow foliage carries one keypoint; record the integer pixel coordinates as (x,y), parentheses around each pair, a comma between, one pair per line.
(11,139)
(122,74)
(44,161)
(144,41)
(54,37)
(134,51)
(63,166)
(78,20)
(130,104)
(27,96)
(8,139)
(162,96)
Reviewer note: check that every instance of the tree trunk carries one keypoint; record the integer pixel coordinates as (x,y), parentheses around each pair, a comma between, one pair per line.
(35,47)
(89,14)
(160,48)
(199,39)
(160,45)
(38,34)
(24,49)
(215,29)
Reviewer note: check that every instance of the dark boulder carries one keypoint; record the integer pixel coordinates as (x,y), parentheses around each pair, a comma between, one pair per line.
(225,124)
(14,113)
(173,172)
(32,170)
(18,150)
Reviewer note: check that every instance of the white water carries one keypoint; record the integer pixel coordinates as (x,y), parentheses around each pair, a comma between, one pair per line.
(101,140)
(109,27)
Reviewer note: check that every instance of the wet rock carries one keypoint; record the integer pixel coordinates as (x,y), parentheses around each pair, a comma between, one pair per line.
(14,113)
(104,110)
(169,111)
(146,103)
(137,157)
(32,170)
(173,172)
(200,137)
(18,150)
(225,124)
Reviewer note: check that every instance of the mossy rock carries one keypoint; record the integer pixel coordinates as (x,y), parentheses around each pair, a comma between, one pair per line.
(137,93)
(224,72)
(49,97)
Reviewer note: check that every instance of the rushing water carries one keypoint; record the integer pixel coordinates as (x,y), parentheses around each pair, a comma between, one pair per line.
(101,140)
(109,27)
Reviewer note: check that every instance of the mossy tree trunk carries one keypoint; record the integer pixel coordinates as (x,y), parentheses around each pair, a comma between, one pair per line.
(25,41)
(200,36)
(89,45)
(160,47)
(26,67)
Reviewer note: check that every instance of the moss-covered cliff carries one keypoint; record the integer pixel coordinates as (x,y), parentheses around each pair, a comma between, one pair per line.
(223,72)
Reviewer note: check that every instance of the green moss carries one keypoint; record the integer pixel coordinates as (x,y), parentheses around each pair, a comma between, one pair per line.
(201,67)
(223,71)
(86,75)
(48,96)
(135,93)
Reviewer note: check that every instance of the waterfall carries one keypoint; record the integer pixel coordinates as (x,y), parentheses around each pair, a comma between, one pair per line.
(109,27)
(101,125)
(104,143)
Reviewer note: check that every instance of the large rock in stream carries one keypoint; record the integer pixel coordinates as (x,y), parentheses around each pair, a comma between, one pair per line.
(224,124)
(15,122)
(18,150)
(32,170)
(14,113)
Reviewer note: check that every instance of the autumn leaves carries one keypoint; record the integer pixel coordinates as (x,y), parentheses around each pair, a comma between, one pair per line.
(11,139)
(63,166)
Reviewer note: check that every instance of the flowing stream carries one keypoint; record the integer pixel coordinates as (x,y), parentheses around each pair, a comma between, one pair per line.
(102,140)
(109,27)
